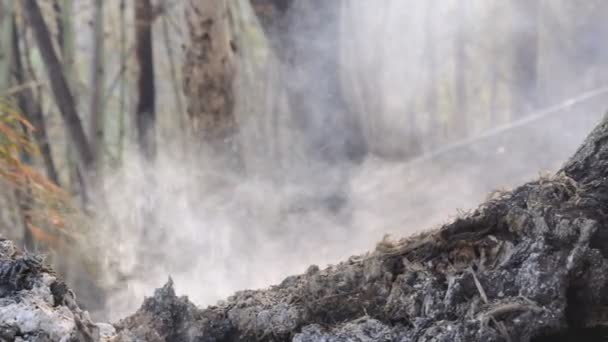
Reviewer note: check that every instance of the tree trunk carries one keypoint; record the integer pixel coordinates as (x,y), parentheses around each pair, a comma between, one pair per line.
(66,39)
(209,72)
(61,91)
(145,115)
(64,11)
(528,265)
(6,12)
(306,38)
(123,80)
(29,104)
(96,136)
(524,44)
(461,116)
(173,71)
(145,121)
(8,65)
(432,90)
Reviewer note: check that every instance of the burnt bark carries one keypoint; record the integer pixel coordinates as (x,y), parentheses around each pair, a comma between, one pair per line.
(208,76)
(145,115)
(528,265)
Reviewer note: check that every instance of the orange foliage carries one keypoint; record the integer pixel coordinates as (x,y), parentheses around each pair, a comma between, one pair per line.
(44,196)
(48,239)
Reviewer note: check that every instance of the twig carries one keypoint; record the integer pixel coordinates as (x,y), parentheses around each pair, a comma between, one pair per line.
(480,289)
(506,308)
(499,325)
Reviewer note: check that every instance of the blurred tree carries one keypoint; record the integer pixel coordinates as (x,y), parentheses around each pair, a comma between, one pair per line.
(273,18)
(122,100)
(429,54)
(524,48)
(29,104)
(208,76)
(145,113)
(173,70)
(66,38)
(6,12)
(305,36)
(461,69)
(59,85)
(97,104)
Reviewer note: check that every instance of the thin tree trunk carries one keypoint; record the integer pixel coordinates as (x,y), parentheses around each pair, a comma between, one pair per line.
(66,39)
(31,107)
(145,121)
(123,79)
(145,116)
(58,12)
(6,11)
(177,89)
(495,65)
(460,73)
(524,44)
(24,206)
(59,85)
(7,66)
(431,94)
(97,85)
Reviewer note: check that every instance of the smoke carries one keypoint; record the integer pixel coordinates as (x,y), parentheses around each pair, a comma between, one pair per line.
(304,198)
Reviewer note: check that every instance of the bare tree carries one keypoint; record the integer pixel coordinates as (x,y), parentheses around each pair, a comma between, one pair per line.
(59,85)
(6,10)
(30,105)
(177,89)
(123,78)
(64,16)
(97,84)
